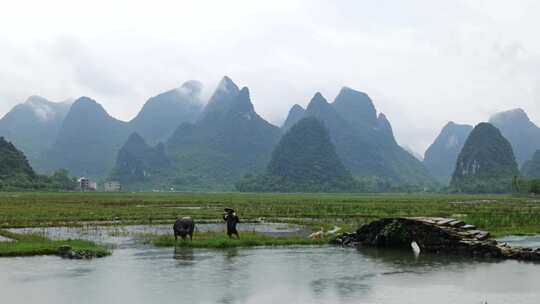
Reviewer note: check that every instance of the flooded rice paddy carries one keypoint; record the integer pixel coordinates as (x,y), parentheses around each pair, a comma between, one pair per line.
(122,236)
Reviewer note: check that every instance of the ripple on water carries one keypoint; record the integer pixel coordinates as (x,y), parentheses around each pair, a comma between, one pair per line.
(267,275)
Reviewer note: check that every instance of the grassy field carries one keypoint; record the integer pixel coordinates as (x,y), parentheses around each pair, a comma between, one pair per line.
(29,245)
(499,214)
(247,239)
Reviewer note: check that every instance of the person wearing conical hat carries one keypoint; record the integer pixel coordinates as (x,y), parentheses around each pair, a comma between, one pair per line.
(232,220)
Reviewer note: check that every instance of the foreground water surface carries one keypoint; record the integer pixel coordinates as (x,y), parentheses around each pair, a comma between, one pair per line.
(143,274)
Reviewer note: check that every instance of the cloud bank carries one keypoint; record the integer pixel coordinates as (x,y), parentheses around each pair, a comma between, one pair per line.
(422,62)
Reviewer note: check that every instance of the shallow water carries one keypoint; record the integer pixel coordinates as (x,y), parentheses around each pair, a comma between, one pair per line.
(531,241)
(128,236)
(137,273)
(5,239)
(266,275)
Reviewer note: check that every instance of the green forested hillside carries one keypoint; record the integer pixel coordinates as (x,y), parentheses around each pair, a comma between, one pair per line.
(305,160)
(365,142)
(486,164)
(531,168)
(13,163)
(229,140)
(139,166)
(17,174)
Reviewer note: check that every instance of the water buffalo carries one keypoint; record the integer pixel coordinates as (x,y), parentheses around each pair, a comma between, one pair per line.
(183,227)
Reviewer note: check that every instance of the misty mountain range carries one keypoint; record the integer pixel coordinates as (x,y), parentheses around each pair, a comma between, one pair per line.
(524,136)
(177,141)
(33,126)
(364,140)
(82,137)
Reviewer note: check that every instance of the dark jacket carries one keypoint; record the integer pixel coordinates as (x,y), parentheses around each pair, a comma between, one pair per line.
(231,219)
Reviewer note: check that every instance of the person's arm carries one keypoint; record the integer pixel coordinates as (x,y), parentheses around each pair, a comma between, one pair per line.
(225,217)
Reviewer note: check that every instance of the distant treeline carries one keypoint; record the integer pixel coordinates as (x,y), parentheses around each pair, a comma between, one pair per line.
(59,181)
(526,186)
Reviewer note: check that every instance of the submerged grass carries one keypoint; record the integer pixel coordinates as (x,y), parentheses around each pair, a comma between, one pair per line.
(247,239)
(31,245)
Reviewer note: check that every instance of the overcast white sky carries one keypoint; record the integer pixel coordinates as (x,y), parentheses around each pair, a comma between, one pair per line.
(423,62)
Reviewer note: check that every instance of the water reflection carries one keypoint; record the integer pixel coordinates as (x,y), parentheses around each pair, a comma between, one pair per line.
(267,275)
(344,286)
(406,260)
(184,256)
(231,254)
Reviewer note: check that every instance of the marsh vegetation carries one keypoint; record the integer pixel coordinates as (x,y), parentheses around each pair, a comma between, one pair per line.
(499,214)
(219,240)
(32,244)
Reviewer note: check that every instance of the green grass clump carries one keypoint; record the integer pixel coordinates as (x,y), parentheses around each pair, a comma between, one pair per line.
(32,245)
(247,239)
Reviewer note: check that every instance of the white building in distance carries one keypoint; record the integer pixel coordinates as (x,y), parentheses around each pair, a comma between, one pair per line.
(85,184)
(112,186)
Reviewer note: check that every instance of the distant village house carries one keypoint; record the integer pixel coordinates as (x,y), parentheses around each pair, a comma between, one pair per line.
(86,185)
(112,186)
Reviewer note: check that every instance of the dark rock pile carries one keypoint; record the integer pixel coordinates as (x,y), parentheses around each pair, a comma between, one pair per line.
(66,252)
(434,235)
